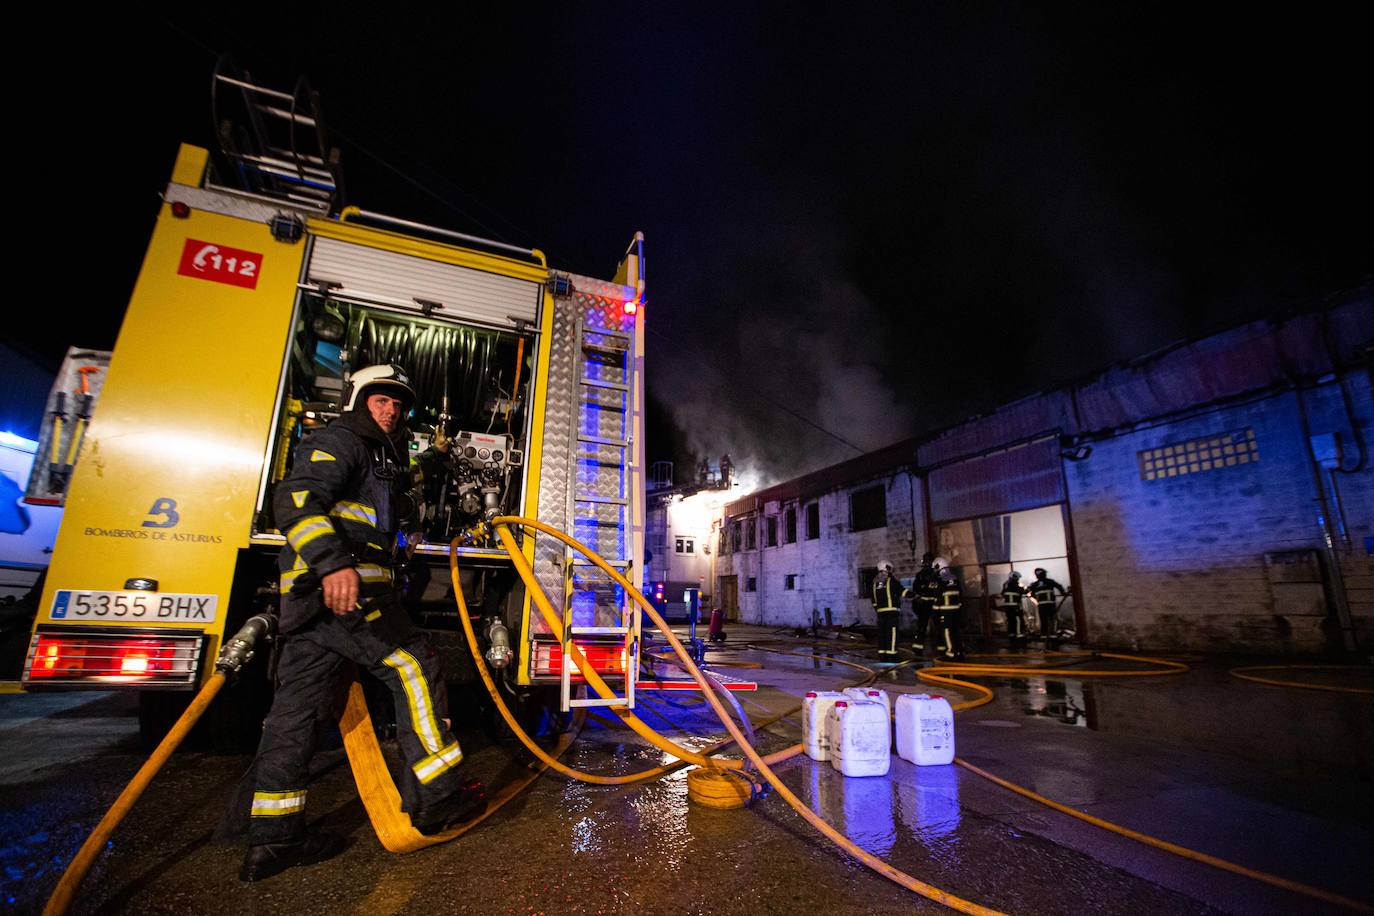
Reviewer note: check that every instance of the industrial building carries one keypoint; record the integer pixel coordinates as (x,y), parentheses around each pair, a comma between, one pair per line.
(682,520)
(1214,495)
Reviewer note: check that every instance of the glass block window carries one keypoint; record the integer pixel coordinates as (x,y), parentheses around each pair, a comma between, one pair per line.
(1198,456)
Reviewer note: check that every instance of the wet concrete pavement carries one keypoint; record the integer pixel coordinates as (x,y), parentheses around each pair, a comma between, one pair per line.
(1275,779)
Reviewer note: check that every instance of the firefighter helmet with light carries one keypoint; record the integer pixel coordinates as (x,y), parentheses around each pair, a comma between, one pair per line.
(884,564)
(387,379)
(1041,574)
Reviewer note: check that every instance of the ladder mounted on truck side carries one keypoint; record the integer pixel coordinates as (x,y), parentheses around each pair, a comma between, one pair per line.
(599,499)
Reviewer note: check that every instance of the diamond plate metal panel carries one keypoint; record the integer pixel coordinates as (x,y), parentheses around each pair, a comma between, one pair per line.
(602,412)
(600,472)
(601,526)
(590,469)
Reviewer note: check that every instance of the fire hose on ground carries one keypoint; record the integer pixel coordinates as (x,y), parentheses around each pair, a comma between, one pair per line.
(760,764)
(235,654)
(718,783)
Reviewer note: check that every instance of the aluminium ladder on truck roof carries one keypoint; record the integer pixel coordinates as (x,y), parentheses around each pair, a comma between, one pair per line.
(599,504)
(274,143)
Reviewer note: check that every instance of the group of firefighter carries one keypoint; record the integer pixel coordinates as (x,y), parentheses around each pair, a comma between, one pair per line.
(937,601)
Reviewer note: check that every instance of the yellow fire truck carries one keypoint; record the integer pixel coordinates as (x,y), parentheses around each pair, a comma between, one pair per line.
(259,294)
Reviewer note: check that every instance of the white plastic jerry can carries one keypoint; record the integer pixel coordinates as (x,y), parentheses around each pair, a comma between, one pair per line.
(871,694)
(860,738)
(815,705)
(925,729)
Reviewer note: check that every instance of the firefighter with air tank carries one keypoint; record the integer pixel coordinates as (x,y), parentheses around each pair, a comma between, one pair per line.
(887,604)
(949,612)
(925,593)
(1044,590)
(1012,595)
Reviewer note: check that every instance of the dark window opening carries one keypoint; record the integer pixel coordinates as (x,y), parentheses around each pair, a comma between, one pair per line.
(772,540)
(751,584)
(868,508)
(866,576)
(789,582)
(813,521)
(751,536)
(789,526)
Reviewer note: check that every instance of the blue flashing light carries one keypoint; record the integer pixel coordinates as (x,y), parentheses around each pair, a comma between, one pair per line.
(17,442)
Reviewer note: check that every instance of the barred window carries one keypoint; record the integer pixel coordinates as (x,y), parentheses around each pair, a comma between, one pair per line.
(1197,456)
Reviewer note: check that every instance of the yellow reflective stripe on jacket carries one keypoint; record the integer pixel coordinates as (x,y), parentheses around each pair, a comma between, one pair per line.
(417,693)
(307,529)
(435,764)
(276,804)
(355,512)
(367,572)
(371,572)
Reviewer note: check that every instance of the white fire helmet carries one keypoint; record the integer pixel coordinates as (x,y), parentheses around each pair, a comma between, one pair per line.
(388,379)
(884,564)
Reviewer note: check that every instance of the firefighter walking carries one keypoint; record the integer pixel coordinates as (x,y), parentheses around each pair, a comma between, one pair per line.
(887,604)
(340,509)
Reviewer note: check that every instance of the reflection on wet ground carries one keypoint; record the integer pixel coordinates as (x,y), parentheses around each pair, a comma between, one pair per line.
(1057,700)
(1200,759)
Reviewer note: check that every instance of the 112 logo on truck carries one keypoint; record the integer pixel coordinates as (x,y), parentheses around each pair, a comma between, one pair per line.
(220,263)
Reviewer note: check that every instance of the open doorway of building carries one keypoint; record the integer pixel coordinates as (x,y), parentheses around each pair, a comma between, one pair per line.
(729,597)
(983,551)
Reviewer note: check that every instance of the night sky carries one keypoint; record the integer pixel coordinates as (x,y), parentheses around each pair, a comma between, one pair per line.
(862,221)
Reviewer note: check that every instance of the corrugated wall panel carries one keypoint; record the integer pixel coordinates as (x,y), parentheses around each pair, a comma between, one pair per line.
(1021,420)
(370,273)
(1020,478)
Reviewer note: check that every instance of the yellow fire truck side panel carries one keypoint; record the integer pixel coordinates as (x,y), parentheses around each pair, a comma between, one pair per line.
(534,458)
(168,474)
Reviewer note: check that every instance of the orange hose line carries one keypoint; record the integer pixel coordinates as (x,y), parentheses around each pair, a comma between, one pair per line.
(1301,685)
(65,892)
(593,679)
(1185,852)
(873,862)
(543,756)
(1166,667)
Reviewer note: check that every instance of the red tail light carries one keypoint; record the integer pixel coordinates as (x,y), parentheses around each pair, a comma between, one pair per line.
(604,659)
(71,656)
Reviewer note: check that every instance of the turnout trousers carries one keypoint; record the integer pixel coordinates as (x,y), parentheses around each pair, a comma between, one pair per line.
(951,626)
(307,677)
(887,632)
(1049,619)
(924,608)
(1016,621)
